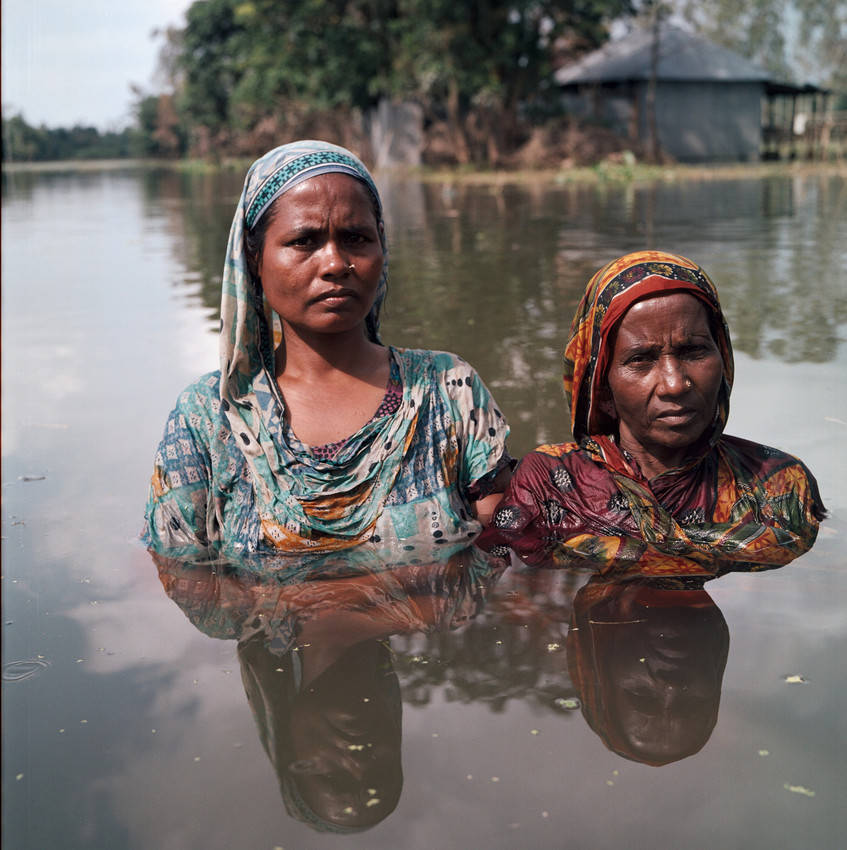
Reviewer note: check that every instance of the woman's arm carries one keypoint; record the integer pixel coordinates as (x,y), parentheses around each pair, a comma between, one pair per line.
(484,507)
(180,488)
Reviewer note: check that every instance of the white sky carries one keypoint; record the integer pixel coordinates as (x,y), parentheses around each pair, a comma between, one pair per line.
(67,62)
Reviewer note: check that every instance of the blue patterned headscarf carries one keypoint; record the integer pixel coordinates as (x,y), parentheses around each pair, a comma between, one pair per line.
(250,331)
(302,502)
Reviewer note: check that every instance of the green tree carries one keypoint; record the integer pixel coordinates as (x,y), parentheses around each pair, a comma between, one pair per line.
(25,143)
(479,65)
(482,63)
(159,130)
(752,28)
(822,42)
(21,142)
(794,39)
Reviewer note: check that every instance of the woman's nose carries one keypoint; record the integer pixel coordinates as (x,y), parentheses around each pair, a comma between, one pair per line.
(334,259)
(673,380)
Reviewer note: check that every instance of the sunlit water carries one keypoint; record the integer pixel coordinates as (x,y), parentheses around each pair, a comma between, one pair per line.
(126,726)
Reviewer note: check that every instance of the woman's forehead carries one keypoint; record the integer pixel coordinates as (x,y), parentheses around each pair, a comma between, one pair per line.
(326,192)
(670,307)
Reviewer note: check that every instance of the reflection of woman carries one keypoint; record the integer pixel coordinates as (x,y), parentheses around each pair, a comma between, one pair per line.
(317,669)
(648,665)
(651,478)
(313,435)
(333,736)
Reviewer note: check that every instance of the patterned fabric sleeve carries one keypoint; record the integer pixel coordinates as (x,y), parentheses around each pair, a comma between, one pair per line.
(178,511)
(481,428)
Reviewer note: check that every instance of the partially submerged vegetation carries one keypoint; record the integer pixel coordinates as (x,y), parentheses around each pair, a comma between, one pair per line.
(612,170)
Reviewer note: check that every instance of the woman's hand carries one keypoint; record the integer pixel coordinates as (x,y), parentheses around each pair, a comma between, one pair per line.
(484,508)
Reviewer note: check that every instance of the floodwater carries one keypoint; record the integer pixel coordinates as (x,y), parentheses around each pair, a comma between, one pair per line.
(150,706)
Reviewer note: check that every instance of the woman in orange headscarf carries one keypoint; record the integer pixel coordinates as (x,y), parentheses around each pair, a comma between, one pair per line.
(651,484)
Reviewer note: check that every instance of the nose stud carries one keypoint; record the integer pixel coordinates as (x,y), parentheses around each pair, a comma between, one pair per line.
(352,267)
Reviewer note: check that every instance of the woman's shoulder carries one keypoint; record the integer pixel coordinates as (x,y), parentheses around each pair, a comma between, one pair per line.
(558,450)
(546,462)
(202,394)
(758,455)
(543,459)
(440,361)
(774,470)
(198,409)
(443,368)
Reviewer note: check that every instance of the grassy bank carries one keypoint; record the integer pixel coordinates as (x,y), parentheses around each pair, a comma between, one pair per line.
(618,170)
(637,173)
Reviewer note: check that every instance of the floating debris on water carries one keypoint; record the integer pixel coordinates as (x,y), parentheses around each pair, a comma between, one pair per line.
(33,477)
(795,680)
(567,703)
(798,789)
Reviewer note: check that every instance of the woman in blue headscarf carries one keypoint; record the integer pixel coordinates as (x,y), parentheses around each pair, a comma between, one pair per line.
(313,435)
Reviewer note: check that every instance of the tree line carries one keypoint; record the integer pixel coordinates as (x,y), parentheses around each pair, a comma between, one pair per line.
(243,72)
(23,142)
(240,75)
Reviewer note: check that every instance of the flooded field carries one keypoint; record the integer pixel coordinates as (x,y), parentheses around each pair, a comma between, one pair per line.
(142,704)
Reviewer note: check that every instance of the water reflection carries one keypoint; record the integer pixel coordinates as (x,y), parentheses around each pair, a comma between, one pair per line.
(198,208)
(643,659)
(316,665)
(648,662)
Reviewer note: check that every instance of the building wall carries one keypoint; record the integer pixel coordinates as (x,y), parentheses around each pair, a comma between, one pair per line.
(701,122)
(698,122)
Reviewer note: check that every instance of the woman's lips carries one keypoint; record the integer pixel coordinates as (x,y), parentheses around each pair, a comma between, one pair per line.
(677,417)
(336,296)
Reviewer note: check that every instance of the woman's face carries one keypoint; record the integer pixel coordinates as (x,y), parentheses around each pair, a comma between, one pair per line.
(664,377)
(320,228)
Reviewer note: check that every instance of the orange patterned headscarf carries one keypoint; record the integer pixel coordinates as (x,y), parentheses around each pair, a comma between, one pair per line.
(610,293)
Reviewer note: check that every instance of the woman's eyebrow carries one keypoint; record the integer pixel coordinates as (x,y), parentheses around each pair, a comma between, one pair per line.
(302,230)
(639,344)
